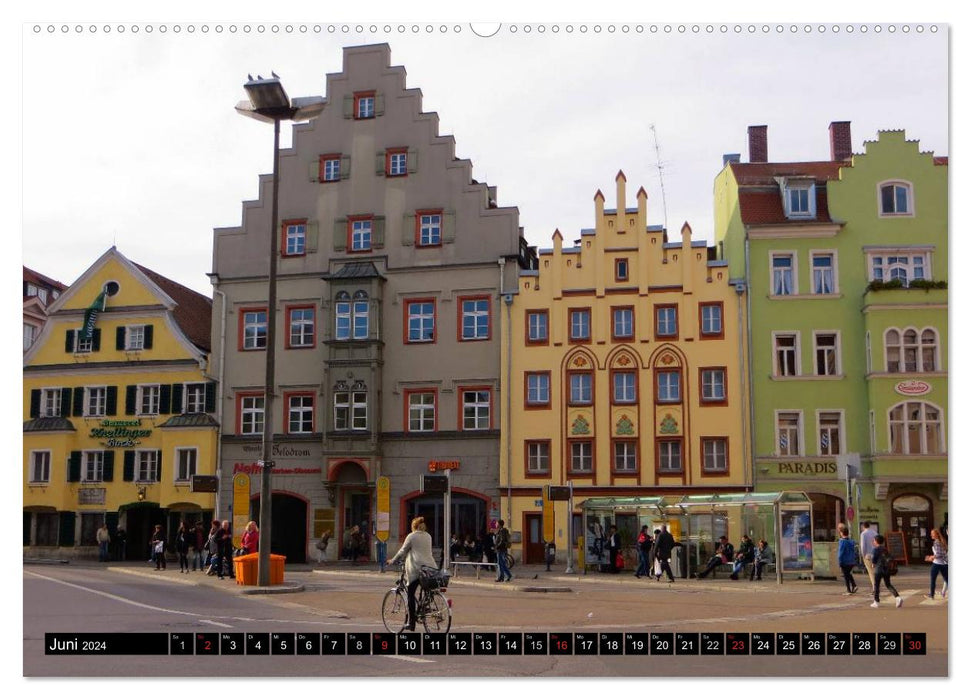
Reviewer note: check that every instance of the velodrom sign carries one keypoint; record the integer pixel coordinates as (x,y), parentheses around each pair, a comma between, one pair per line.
(912,387)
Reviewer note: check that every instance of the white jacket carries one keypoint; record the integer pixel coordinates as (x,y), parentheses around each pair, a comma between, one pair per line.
(417,552)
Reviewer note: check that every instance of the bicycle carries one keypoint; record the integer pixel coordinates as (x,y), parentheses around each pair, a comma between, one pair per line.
(432,609)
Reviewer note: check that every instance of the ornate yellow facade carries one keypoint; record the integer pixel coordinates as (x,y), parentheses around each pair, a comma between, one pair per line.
(624,372)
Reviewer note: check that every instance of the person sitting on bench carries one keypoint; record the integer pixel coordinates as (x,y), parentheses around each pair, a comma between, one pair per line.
(724,553)
(745,555)
(763,556)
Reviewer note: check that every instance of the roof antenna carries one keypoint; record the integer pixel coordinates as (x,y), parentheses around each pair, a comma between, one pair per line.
(659,164)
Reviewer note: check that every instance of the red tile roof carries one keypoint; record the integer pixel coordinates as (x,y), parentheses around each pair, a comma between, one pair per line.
(193,311)
(940,160)
(37,278)
(759,197)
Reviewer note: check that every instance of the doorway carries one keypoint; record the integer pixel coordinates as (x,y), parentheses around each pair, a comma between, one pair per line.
(288,535)
(913,515)
(533,546)
(357,511)
(140,522)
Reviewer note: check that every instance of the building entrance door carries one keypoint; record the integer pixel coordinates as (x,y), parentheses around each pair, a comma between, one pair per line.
(357,511)
(913,516)
(288,531)
(533,544)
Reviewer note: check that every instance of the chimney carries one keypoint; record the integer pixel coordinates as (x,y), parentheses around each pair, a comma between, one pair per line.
(758,146)
(840,143)
(731,158)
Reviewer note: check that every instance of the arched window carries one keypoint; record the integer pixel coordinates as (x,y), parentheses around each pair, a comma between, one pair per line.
(896,199)
(916,429)
(908,351)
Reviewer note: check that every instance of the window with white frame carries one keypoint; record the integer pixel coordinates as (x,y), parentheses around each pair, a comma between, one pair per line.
(581,388)
(332,169)
(429,229)
(800,200)
(421,321)
(300,413)
(364,106)
(916,428)
(538,325)
(50,403)
(830,432)
(787,428)
(669,456)
(95,400)
(783,274)
(148,399)
(665,321)
(537,388)
(714,454)
(421,411)
(251,415)
(625,387)
(476,405)
(82,344)
(146,465)
(361,234)
(713,384)
(92,463)
(40,466)
(195,398)
(580,324)
(623,323)
(186,459)
(827,354)
(134,337)
(254,329)
(295,238)
(905,266)
(475,319)
(30,332)
(786,354)
(397,163)
(625,456)
(669,386)
(360,308)
(537,457)
(910,351)
(824,274)
(301,323)
(581,456)
(895,199)
(711,319)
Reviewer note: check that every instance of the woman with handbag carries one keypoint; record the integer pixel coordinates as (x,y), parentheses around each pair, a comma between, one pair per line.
(158,548)
(416,551)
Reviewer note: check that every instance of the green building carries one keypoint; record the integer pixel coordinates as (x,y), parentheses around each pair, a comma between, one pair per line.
(846,264)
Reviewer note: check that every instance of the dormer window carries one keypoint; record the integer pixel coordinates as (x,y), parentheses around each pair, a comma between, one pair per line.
(800,199)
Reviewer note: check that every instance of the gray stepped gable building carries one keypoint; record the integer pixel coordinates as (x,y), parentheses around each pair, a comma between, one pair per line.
(391,263)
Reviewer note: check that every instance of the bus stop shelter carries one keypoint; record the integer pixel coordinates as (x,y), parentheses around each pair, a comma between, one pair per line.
(782,518)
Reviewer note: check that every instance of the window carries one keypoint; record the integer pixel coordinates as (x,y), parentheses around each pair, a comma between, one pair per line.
(253,331)
(581,388)
(666,321)
(300,326)
(294,237)
(786,357)
(146,465)
(186,459)
(92,466)
(714,455)
(787,432)
(895,199)
(300,413)
(625,387)
(916,428)
(250,414)
(148,399)
(95,400)
(537,457)
(360,234)
(827,354)
(134,337)
(537,389)
(40,467)
(350,410)
(909,352)
(82,344)
(669,386)
(669,457)
(429,228)
(579,325)
(475,318)
(800,201)
(476,409)
(623,322)
(829,432)
(713,385)
(824,279)
(581,457)
(903,266)
(783,279)
(711,321)
(537,327)
(195,398)
(421,411)
(396,163)
(50,403)
(330,168)
(364,105)
(625,456)
(621,270)
(30,332)
(420,321)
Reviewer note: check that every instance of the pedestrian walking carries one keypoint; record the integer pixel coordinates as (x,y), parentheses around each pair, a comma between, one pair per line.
(416,551)
(867,546)
(225,550)
(489,547)
(104,539)
(197,545)
(158,547)
(212,548)
(182,540)
(938,562)
(881,572)
(502,546)
(846,557)
(644,544)
(321,546)
(613,547)
(663,546)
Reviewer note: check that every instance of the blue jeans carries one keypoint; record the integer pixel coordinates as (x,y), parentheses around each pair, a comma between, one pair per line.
(935,570)
(102,551)
(504,572)
(196,559)
(641,563)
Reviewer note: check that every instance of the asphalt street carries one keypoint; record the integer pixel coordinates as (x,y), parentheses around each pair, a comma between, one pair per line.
(136,598)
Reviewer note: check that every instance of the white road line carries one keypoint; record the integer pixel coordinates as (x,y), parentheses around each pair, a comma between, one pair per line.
(218,624)
(412,659)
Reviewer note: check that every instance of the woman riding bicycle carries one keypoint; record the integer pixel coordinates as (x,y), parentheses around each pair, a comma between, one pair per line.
(416,552)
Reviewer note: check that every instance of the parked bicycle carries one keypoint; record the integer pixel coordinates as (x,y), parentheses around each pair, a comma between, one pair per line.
(432,609)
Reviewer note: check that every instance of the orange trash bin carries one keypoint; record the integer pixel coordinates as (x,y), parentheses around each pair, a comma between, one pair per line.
(276,568)
(245,567)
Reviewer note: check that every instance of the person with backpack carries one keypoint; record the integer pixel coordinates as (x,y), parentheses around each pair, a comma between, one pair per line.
(644,544)
(882,571)
(846,557)
(502,546)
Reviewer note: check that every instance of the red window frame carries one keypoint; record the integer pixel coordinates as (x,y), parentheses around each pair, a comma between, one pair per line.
(240,395)
(549,463)
(283,237)
(461,317)
(408,394)
(241,324)
(613,328)
(613,462)
(351,220)
(287,326)
(569,330)
(569,388)
(657,457)
(536,405)
(593,457)
(461,408)
(387,161)
(320,166)
(613,398)
(546,314)
(287,395)
(681,387)
(357,102)
(728,463)
(441,227)
(701,386)
(677,322)
(406,303)
(701,325)
(617,276)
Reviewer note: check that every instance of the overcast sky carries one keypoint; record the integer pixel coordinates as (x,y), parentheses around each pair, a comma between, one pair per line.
(131,138)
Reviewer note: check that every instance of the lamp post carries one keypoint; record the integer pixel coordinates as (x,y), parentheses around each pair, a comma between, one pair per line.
(268,102)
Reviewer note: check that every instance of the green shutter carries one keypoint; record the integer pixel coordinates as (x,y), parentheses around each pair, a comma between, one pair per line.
(345,167)
(65,535)
(412,160)
(109,466)
(120,338)
(131,395)
(74,466)
(313,171)
(65,402)
(111,401)
(149,333)
(340,234)
(378,104)
(312,234)
(348,106)
(128,468)
(34,403)
(164,399)
(96,340)
(158,461)
(78,407)
(210,397)
(377,232)
(69,341)
(380,162)
(448,227)
(408,230)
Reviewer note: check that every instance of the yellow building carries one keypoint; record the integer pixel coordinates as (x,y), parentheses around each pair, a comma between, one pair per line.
(117,420)
(623,370)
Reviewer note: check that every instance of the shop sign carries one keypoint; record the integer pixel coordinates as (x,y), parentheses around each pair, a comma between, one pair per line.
(279,450)
(202,483)
(912,387)
(91,497)
(120,433)
(818,469)
(255,468)
(441,466)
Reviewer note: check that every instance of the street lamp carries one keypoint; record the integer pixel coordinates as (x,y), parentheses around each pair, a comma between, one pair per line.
(268,102)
